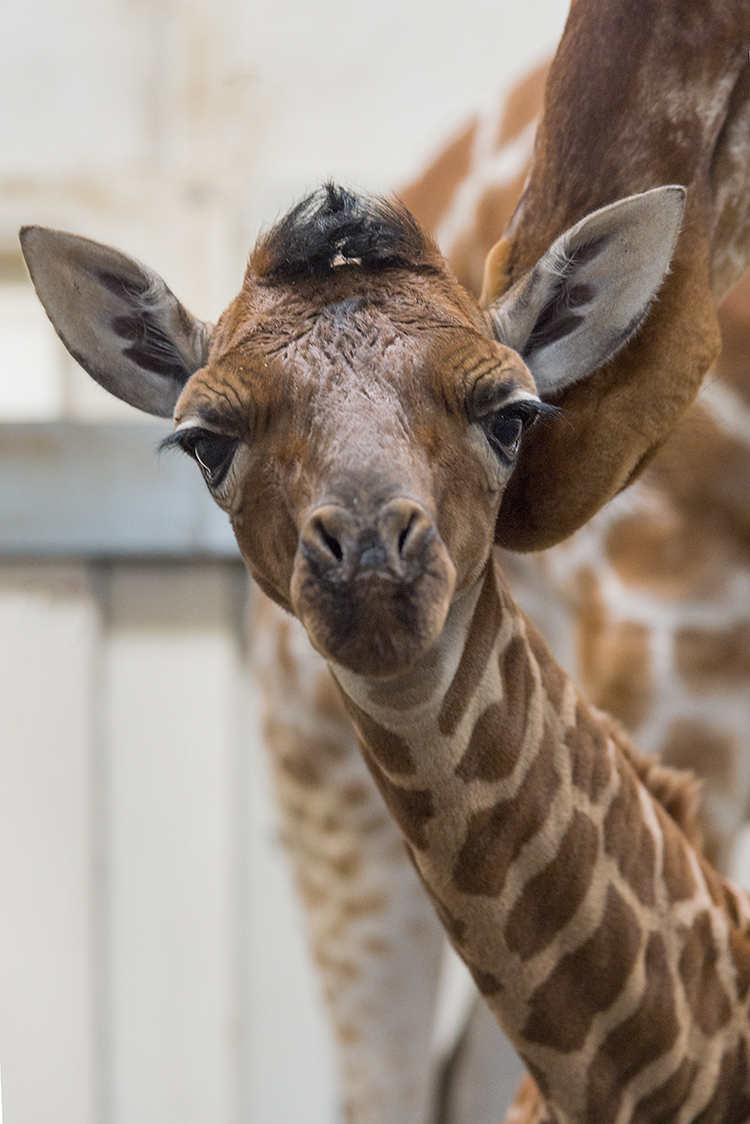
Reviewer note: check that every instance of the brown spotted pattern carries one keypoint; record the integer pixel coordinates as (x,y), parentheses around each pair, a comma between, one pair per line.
(646,1035)
(489,847)
(550,898)
(497,737)
(590,768)
(707,656)
(663,1104)
(483,631)
(705,994)
(602,979)
(368,920)
(604,961)
(629,840)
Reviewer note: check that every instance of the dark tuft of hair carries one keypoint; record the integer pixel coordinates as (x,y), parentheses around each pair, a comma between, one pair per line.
(333,226)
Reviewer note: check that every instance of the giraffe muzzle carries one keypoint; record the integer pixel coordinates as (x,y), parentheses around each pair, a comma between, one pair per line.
(341,546)
(372,590)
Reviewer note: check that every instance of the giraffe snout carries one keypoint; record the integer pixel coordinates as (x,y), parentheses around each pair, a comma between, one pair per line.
(372,589)
(340,545)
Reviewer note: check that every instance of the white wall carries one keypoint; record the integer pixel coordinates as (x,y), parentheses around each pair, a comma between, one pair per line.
(151,963)
(175,128)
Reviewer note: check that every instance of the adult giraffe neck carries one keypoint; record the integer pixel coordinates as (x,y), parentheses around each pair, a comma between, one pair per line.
(615,960)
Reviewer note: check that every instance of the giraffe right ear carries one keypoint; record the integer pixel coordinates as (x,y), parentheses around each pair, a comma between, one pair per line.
(591,291)
(117,318)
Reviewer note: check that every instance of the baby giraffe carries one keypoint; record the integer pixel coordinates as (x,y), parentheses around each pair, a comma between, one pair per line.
(358,417)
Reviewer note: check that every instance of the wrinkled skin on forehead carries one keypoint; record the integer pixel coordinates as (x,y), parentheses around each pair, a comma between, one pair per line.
(356,393)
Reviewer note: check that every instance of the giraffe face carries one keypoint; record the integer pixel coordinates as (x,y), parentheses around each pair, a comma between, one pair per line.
(359,429)
(354,411)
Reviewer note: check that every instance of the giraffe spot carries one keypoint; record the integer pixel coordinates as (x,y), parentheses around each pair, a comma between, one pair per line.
(313,895)
(524,103)
(430,196)
(629,841)
(483,630)
(662,1105)
(731,904)
(590,769)
(366,905)
(733,321)
(309,761)
(411,808)
(484,759)
(486,982)
(730,1103)
(539,1077)
(355,793)
(701,749)
(664,554)
(376,946)
(561,1010)
(739,947)
(389,750)
(551,897)
(497,738)
(495,835)
(614,656)
(709,658)
(346,866)
(347,1034)
(648,1034)
(711,755)
(554,679)
(454,926)
(337,970)
(677,872)
(301,770)
(470,250)
(703,989)
(374,824)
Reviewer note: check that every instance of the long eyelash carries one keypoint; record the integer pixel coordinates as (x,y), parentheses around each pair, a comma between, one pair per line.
(173,441)
(544,411)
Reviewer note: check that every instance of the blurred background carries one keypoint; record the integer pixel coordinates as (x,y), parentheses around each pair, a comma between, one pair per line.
(152,963)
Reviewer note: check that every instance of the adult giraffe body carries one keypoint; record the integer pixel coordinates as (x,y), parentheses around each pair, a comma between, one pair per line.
(684,315)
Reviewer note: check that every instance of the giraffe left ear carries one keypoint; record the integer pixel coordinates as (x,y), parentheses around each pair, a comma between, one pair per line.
(116,317)
(591,291)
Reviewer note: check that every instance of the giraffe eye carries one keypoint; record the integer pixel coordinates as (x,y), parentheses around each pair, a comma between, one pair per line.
(212,451)
(505,428)
(505,433)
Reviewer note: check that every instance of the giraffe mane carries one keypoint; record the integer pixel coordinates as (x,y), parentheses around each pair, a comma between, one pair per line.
(332,227)
(677,790)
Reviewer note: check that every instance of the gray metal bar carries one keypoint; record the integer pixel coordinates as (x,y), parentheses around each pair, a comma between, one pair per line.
(78,490)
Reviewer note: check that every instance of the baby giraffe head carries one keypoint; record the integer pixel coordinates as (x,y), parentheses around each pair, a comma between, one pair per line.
(354,410)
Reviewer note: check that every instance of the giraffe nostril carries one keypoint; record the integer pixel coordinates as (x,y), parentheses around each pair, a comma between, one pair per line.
(329,541)
(407,527)
(403,538)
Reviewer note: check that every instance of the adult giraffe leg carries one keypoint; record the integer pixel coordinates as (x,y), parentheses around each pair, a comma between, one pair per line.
(373,934)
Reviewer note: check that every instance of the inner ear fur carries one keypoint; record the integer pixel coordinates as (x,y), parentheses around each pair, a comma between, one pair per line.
(116,317)
(591,291)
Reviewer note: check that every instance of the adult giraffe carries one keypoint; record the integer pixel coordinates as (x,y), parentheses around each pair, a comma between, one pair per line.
(694,246)
(647,606)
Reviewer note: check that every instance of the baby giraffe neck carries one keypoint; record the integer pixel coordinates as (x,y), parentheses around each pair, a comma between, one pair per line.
(614,958)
